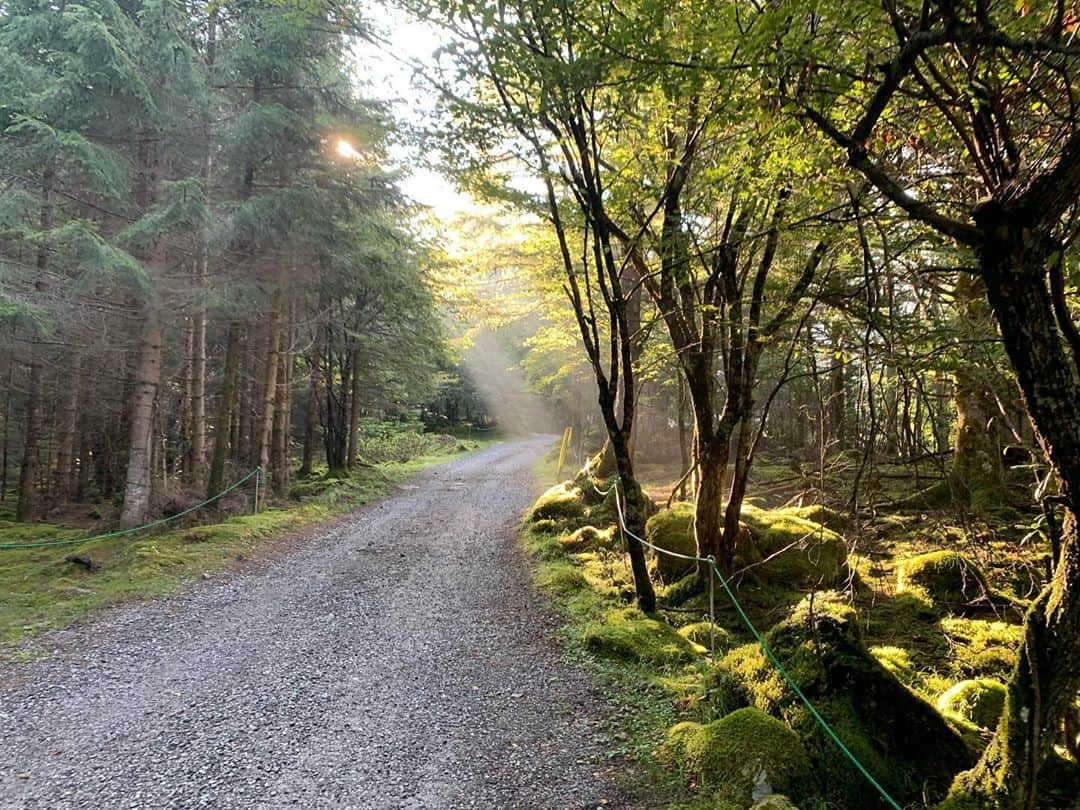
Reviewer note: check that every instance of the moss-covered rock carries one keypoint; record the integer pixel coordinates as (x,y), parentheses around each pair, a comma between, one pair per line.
(884,723)
(588,538)
(673,530)
(563,502)
(947,579)
(630,634)
(797,551)
(743,756)
(824,516)
(706,633)
(979,701)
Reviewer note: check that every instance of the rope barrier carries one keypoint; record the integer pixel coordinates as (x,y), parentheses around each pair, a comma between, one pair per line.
(123,532)
(711,563)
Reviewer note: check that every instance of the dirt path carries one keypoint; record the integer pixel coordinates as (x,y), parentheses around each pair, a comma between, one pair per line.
(398,661)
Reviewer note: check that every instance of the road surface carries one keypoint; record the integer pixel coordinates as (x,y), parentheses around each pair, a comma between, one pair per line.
(398,660)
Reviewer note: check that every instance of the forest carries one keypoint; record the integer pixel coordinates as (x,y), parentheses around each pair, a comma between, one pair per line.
(797,282)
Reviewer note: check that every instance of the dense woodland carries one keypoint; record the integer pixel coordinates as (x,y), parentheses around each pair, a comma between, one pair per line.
(782,252)
(205,266)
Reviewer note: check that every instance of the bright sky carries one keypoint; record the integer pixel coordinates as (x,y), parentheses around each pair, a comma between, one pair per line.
(391,79)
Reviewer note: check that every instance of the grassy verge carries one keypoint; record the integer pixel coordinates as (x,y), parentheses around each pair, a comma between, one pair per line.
(644,695)
(40,590)
(915,655)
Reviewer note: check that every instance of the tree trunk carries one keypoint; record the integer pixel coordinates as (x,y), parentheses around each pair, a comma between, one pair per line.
(69,417)
(196,461)
(977,477)
(1046,679)
(269,390)
(712,457)
(283,416)
(634,515)
(29,471)
(138,486)
(354,409)
(225,415)
(311,422)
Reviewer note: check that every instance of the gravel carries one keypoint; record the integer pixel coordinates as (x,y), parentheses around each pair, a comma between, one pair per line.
(399,660)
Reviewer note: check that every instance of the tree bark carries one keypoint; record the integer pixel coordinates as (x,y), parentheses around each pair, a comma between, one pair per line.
(311,421)
(69,416)
(1013,263)
(30,469)
(269,391)
(354,410)
(977,478)
(225,416)
(138,486)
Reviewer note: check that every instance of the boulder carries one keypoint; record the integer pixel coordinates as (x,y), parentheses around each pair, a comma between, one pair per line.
(979,701)
(744,756)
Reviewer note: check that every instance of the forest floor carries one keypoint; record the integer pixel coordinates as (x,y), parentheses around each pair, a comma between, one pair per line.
(922,603)
(399,660)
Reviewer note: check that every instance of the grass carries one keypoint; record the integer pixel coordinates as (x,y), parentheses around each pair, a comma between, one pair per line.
(41,591)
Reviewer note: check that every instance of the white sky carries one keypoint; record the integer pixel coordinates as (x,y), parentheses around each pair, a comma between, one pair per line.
(391,79)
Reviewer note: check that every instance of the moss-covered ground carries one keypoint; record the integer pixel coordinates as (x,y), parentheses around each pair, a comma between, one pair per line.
(40,590)
(931,600)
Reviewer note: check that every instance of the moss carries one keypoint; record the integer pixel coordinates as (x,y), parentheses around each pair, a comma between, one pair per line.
(673,530)
(798,551)
(706,633)
(882,721)
(980,701)
(746,754)
(824,516)
(989,647)
(629,634)
(947,579)
(562,502)
(897,661)
(589,538)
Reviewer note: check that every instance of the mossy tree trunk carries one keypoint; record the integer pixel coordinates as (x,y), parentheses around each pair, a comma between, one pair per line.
(1016,258)
(976,477)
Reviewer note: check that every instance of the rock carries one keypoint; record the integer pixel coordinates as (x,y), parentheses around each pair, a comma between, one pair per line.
(747,754)
(562,502)
(881,721)
(948,580)
(798,551)
(84,561)
(628,633)
(673,530)
(979,701)
(774,801)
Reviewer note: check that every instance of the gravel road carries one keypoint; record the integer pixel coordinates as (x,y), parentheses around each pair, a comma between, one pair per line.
(399,660)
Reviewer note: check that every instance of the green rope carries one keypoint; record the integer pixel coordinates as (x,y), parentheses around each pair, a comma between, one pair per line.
(122,532)
(764,647)
(795,688)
